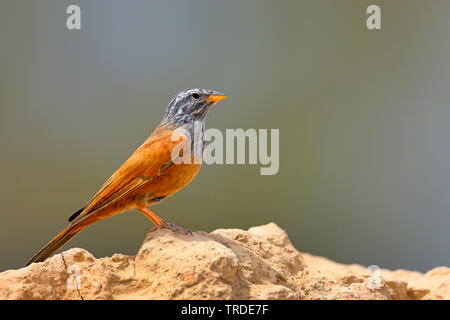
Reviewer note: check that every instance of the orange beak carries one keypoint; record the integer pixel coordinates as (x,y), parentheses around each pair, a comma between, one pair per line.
(215,98)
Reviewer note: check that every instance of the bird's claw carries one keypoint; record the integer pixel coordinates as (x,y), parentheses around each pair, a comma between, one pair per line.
(175,227)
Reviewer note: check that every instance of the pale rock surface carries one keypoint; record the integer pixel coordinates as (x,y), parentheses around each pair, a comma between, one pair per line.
(260,263)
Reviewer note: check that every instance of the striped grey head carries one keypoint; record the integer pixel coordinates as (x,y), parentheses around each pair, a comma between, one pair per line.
(191,105)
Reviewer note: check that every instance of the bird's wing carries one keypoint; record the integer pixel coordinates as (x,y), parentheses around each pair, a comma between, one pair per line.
(148,162)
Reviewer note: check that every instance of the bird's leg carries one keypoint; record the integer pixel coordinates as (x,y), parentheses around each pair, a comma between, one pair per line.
(141,204)
(153,217)
(160,223)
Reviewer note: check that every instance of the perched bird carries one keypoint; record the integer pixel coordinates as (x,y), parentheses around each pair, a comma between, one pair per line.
(150,174)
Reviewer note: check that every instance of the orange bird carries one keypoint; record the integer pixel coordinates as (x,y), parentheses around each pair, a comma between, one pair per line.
(151,174)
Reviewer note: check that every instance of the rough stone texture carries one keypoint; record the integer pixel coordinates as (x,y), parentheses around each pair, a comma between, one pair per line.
(260,263)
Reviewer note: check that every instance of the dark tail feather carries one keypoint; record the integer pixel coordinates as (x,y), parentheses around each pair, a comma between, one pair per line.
(76,214)
(56,243)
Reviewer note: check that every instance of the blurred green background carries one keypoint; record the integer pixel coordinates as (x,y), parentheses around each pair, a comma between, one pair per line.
(363,117)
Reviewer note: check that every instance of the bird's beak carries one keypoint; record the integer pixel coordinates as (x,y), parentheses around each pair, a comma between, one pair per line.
(215,97)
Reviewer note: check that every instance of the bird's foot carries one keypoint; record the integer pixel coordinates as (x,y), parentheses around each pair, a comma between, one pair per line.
(175,227)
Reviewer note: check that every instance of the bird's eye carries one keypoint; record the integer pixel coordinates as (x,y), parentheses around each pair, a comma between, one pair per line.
(196,96)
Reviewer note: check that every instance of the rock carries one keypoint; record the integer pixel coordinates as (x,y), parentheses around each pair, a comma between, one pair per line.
(260,263)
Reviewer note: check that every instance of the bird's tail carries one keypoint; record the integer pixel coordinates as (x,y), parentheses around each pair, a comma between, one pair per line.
(57,242)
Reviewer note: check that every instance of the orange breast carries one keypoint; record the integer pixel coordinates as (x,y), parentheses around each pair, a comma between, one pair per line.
(173,180)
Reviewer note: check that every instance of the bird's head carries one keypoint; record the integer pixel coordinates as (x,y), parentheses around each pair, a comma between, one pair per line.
(191,105)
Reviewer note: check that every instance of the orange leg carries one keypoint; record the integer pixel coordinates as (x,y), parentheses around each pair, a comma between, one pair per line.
(160,223)
(153,217)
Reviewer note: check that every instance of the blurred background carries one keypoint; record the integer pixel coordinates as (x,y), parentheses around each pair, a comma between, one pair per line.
(363,116)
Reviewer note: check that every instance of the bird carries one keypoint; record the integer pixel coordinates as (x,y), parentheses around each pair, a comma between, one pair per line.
(151,174)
